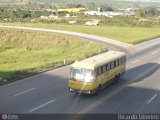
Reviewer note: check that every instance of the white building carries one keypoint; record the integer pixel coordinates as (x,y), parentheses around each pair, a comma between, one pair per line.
(44,17)
(108,13)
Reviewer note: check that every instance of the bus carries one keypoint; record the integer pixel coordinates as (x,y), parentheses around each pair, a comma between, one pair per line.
(93,74)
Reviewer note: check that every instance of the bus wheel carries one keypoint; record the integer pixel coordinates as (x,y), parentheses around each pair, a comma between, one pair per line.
(119,75)
(115,80)
(98,90)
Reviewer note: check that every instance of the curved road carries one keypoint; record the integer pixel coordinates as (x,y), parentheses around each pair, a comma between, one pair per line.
(138,90)
(111,44)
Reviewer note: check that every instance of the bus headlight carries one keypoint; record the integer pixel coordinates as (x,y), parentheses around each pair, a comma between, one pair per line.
(70,90)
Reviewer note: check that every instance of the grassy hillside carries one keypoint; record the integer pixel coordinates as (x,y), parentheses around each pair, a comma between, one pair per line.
(25,52)
(62,1)
(132,35)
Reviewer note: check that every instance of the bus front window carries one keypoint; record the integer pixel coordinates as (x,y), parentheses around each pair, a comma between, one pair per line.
(81,74)
(88,75)
(76,74)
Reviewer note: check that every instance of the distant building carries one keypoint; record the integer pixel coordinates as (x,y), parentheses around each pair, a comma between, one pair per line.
(44,17)
(108,14)
(125,12)
(129,9)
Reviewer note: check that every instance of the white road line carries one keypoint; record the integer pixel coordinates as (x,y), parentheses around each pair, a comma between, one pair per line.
(41,105)
(135,61)
(154,96)
(146,47)
(154,52)
(25,91)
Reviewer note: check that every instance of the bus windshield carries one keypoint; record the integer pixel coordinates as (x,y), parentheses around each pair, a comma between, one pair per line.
(81,74)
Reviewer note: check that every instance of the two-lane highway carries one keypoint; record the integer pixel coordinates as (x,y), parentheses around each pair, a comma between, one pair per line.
(137,91)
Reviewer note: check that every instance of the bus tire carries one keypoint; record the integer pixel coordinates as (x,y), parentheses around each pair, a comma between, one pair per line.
(98,90)
(119,75)
(115,80)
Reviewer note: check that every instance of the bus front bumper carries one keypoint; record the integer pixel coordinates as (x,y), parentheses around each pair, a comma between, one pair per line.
(83,91)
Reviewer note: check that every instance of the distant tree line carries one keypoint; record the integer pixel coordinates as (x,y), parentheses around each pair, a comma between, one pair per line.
(148,12)
(70,5)
(19,13)
(27,12)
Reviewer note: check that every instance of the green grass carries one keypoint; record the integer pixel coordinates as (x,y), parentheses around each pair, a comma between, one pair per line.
(28,52)
(132,35)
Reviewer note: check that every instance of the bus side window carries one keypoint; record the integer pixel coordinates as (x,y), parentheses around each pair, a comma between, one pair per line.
(101,69)
(112,64)
(115,63)
(104,68)
(98,71)
(119,61)
(108,66)
(122,60)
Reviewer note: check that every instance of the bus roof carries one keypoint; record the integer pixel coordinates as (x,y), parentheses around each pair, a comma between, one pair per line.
(98,60)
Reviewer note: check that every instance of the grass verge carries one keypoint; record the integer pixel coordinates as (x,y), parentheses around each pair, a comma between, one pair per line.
(132,35)
(26,52)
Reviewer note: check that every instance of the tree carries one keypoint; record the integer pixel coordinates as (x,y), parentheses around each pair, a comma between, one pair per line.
(152,12)
(79,5)
(105,7)
(92,6)
(108,9)
(70,5)
(142,12)
(147,12)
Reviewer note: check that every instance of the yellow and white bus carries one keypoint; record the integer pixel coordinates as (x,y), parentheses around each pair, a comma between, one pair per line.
(91,75)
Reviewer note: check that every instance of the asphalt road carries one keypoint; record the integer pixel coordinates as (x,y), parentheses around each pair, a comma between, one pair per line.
(109,43)
(138,90)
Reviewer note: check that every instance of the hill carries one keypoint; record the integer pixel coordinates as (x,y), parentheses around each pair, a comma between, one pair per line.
(78,1)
